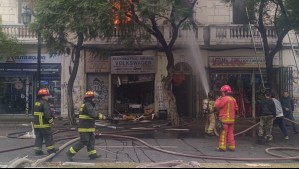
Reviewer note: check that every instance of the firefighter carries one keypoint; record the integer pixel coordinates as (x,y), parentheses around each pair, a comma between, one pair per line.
(210,114)
(43,120)
(227,107)
(87,117)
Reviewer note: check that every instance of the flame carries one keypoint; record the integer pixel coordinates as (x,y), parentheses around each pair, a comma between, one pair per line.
(118,6)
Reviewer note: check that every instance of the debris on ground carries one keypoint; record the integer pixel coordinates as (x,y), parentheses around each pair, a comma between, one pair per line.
(172,164)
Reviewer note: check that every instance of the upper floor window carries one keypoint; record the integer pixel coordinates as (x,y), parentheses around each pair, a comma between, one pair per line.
(239,12)
(20,8)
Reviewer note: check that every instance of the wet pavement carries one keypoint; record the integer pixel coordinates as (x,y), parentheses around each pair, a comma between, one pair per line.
(122,150)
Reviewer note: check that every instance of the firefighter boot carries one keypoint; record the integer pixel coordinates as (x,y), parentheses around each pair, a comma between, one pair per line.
(94,156)
(70,156)
(52,151)
(39,153)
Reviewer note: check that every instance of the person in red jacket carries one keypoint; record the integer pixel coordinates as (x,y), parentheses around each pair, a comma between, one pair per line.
(227,107)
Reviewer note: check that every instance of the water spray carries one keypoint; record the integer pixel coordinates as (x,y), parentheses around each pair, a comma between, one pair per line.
(198,60)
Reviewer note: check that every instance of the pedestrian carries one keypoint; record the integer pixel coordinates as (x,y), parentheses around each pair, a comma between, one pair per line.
(87,118)
(43,121)
(279,116)
(209,111)
(267,115)
(288,109)
(227,107)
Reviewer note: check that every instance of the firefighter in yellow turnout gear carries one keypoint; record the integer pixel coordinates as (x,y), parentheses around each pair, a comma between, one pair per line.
(43,120)
(87,118)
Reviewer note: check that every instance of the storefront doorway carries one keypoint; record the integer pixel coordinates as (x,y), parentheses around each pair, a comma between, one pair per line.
(183,89)
(133,94)
(247,89)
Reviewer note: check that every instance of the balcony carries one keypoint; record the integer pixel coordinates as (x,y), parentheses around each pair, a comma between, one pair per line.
(21,32)
(237,35)
(213,36)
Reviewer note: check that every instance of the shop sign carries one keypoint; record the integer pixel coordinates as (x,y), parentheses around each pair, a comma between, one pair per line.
(97,64)
(232,62)
(31,58)
(133,64)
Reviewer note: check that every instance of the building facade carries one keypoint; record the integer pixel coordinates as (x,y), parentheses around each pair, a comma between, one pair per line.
(220,51)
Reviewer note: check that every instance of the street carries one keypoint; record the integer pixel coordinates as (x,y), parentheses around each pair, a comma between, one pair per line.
(114,150)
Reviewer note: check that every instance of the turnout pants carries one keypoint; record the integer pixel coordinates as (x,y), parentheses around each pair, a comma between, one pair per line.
(227,138)
(44,134)
(86,139)
(210,123)
(266,125)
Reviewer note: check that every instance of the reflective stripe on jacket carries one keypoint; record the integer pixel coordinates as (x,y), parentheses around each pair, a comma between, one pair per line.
(87,118)
(42,114)
(227,107)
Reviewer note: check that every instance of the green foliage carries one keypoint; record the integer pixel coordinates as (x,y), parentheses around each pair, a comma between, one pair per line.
(9,46)
(293,13)
(60,21)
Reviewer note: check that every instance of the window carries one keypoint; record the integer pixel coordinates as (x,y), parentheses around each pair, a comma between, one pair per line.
(239,12)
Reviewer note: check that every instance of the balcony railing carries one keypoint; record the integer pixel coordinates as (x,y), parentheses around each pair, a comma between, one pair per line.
(213,35)
(21,32)
(238,35)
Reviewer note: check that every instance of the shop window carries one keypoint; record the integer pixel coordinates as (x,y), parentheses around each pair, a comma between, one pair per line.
(54,88)
(15,95)
(134,94)
(242,89)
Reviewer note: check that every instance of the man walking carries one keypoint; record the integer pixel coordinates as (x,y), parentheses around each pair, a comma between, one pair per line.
(42,123)
(227,107)
(267,116)
(279,116)
(87,117)
(288,108)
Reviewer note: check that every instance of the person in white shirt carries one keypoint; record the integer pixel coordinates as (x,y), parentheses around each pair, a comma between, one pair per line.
(279,116)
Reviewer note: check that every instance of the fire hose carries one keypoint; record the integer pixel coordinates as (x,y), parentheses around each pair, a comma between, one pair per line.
(112,135)
(210,157)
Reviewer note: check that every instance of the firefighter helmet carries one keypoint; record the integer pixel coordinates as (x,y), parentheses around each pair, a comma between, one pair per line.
(90,94)
(43,92)
(226,89)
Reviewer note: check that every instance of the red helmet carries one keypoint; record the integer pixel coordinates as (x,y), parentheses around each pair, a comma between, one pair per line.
(226,89)
(43,92)
(89,94)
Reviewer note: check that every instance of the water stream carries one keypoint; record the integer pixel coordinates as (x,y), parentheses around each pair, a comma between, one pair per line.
(198,59)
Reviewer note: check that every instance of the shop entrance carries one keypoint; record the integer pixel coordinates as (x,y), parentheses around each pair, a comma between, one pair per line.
(134,94)
(247,88)
(183,89)
(15,95)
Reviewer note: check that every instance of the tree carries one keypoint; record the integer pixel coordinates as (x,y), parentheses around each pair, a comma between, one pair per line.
(58,19)
(65,23)
(9,46)
(149,15)
(268,12)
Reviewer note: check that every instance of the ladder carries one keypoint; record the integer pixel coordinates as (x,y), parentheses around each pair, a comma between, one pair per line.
(258,52)
(295,54)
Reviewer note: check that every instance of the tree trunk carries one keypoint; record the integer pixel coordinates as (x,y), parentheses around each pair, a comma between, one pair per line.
(70,86)
(168,93)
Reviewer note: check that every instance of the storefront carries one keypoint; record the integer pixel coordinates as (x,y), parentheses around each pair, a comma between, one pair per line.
(133,84)
(97,69)
(245,78)
(18,83)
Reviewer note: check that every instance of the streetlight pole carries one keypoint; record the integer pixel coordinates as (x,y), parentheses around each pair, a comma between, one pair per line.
(39,51)
(26,17)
